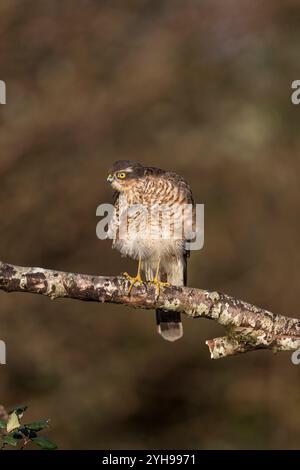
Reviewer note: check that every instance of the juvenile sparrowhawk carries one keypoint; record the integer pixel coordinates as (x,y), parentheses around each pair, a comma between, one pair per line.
(154,236)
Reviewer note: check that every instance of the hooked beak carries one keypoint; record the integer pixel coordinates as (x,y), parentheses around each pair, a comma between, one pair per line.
(110,178)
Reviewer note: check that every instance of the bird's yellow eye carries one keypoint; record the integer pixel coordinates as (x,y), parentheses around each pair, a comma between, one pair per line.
(121,175)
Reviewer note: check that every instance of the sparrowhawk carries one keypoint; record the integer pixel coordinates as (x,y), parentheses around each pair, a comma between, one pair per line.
(152,200)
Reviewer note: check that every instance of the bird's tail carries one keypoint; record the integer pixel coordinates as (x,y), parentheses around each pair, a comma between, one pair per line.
(169,324)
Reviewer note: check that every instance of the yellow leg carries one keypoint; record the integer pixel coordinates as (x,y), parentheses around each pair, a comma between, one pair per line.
(159,284)
(135,280)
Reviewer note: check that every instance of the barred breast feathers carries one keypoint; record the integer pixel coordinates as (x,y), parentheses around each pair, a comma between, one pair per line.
(155,188)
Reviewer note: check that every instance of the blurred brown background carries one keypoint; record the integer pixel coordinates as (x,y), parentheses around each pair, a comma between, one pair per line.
(199,87)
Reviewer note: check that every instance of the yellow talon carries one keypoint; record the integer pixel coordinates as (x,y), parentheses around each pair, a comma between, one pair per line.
(159,284)
(133,280)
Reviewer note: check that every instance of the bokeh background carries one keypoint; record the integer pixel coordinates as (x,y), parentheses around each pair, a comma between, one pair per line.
(199,87)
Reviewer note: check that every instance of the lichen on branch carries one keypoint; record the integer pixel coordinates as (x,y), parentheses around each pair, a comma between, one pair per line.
(247,327)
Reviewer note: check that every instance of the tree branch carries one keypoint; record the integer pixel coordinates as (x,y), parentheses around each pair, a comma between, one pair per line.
(247,327)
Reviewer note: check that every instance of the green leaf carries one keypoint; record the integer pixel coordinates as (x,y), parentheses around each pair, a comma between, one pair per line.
(9,440)
(37,425)
(44,443)
(2,424)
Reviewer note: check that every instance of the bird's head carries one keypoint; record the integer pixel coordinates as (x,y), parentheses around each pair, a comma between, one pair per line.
(123,174)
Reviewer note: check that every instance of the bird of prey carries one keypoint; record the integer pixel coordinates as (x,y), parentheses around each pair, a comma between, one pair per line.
(160,248)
